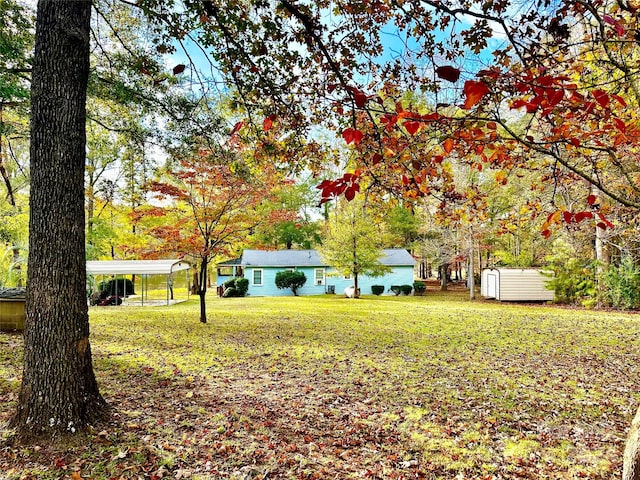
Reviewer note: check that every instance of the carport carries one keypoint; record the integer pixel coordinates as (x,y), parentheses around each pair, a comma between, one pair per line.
(142,270)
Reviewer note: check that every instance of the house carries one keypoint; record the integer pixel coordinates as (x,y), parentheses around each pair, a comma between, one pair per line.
(516,285)
(261,266)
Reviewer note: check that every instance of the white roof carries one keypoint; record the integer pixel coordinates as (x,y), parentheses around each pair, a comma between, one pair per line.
(136,267)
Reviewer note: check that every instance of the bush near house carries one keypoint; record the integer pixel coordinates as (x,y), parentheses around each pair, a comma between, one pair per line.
(419,288)
(236,287)
(406,289)
(377,289)
(291,279)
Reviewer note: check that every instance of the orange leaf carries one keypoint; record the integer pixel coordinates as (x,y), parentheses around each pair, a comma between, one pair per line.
(474,91)
(268,123)
(448,145)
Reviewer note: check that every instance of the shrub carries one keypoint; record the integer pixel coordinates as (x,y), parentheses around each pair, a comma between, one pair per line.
(291,279)
(406,289)
(573,282)
(121,286)
(396,289)
(377,289)
(235,287)
(419,287)
(242,285)
(620,285)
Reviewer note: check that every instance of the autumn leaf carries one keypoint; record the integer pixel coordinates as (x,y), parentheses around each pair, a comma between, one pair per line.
(580,216)
(449,73)
(615,23)
(591,199)
(601,97)
(178,69)
(448,145)
(474,91)
(237,127)
(567,216)
(351,135)
(268,123)
(412,127)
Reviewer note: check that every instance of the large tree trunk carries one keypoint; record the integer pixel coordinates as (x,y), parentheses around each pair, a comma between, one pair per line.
(631,466)
(59,393)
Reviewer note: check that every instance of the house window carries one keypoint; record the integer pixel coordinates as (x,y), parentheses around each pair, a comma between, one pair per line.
(225,271)
(318,277)
(257,277)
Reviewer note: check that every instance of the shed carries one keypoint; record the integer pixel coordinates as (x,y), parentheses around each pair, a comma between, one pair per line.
(143,269)
(516,285)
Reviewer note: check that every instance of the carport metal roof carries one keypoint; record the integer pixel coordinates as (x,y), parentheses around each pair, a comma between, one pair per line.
(136,267)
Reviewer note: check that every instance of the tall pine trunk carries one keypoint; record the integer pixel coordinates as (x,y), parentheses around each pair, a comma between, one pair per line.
(59,393)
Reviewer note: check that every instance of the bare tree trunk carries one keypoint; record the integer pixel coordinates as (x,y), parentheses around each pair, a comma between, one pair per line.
(59,393)
(202,288)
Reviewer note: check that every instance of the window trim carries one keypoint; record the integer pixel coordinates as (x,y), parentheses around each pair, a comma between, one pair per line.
(253,277)
(323,281)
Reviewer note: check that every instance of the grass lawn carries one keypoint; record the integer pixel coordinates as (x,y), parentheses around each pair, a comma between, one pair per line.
(326,387)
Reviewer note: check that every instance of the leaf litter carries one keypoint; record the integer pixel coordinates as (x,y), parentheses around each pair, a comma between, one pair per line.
(382,388)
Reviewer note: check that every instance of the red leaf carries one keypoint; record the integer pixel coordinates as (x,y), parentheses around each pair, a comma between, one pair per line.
(474,91)
(351,135)
(568,217)
(546,233)
(412,127)
(237,127)
(580,216)
(178,69)
(620,125)
(376,159)
(449,73)
(601,97)
(606,222)
(448,145)
(616,24)
(620,100)
(350,193)
(359,97)
(518,104)
(591,199)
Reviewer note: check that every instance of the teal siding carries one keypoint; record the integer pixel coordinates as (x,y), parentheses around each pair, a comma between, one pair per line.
(401,275)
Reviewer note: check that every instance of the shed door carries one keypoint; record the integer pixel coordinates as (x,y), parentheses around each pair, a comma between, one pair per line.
(492,285)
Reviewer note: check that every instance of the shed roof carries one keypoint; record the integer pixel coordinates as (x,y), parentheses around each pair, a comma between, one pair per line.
(311,258)
(136,267)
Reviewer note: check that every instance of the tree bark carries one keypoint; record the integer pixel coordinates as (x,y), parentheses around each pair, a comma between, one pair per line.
(631,464)
(59,393)
(202,288)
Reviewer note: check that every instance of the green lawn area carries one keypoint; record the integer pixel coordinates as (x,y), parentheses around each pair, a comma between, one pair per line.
(326,387)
